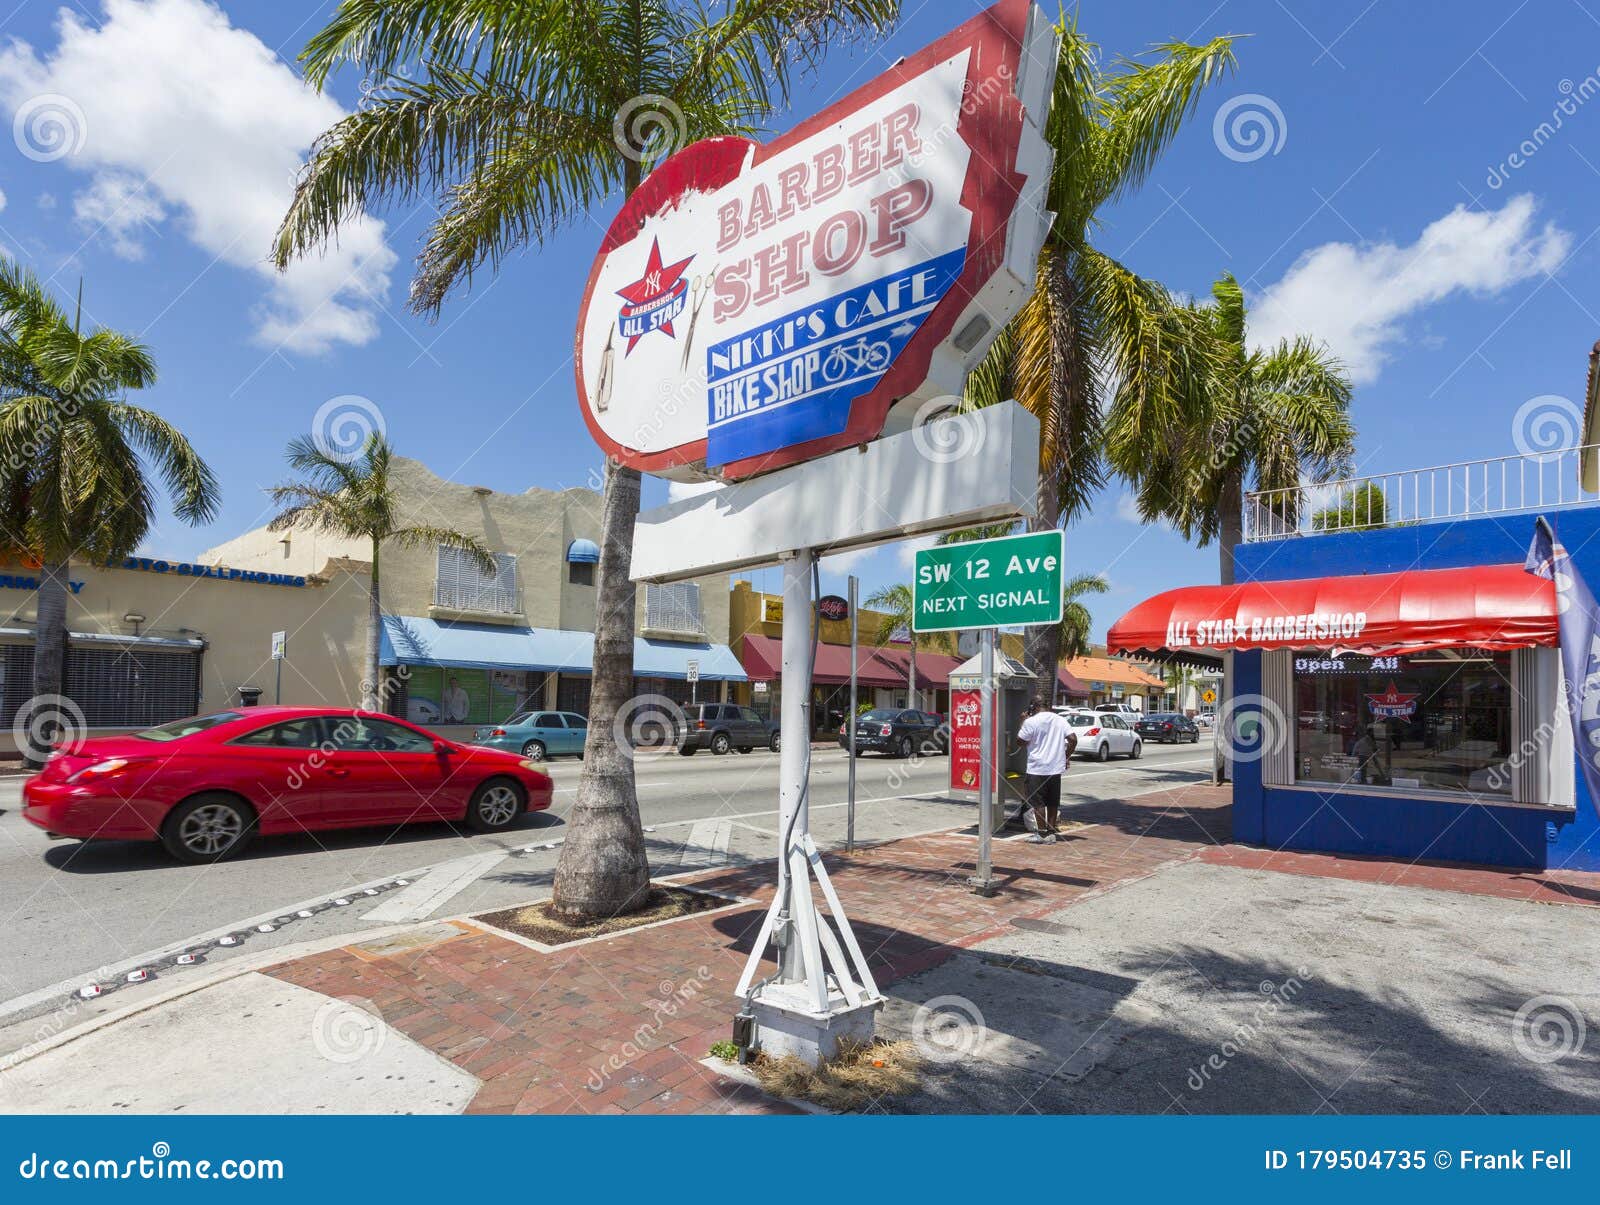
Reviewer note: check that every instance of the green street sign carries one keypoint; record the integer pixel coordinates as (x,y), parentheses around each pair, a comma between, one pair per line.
(1013,581)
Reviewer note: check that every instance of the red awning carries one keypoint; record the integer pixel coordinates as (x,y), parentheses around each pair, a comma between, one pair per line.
(1071,685)
(762,657)
(933,669)
(1483,606)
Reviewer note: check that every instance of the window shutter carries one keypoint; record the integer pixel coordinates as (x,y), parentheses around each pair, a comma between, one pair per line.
(461,585)
(674,608)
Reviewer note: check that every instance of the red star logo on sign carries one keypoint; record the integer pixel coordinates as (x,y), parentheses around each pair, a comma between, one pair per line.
(1392,702)
(657,282)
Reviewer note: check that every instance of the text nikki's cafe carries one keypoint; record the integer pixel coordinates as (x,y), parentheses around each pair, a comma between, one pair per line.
(1395,686)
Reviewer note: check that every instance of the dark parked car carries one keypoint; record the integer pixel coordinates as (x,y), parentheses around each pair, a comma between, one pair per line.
(1168,727)
(898,731)
(723,726)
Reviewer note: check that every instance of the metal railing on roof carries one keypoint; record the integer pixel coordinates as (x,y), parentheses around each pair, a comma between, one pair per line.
(1464,490)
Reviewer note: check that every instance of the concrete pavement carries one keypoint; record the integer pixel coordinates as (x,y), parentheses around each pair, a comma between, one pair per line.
(76,913)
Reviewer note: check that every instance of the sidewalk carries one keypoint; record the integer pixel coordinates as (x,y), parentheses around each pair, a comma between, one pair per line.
(622,1024)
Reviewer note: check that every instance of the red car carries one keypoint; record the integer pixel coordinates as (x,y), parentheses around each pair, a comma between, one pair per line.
(205,786)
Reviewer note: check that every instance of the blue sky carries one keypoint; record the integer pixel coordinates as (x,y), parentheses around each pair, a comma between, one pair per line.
(1386,218)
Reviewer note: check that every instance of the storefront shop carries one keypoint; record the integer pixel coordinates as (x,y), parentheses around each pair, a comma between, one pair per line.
(880,679)
(154,639)
(1395,692)
(457,674)
(1109,682)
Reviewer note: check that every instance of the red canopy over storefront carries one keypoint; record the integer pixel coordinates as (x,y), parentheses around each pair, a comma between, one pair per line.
(762,657)
(1483,606)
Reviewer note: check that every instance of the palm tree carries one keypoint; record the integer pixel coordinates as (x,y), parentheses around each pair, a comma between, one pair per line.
(898,608)
(74,455)
(518,123)
(355,497)
(1271,419)
(1076,621)
(1091,325)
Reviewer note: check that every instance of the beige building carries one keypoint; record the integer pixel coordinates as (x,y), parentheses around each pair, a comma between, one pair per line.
(155,639)
(477,646)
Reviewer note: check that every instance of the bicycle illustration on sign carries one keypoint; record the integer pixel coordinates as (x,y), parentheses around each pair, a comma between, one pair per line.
(853,359)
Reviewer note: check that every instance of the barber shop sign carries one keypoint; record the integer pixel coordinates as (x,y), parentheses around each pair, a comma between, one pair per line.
(756,305)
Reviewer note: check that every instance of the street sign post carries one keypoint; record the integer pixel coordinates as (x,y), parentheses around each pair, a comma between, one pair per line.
(1011,581)
(280,645)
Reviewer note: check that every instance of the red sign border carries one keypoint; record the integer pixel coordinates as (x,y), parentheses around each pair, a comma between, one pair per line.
(991,193)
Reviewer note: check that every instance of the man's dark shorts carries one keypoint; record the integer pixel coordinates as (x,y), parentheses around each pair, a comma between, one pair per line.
(1044,790)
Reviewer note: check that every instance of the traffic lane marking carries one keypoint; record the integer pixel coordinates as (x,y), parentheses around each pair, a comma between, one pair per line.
(439,885)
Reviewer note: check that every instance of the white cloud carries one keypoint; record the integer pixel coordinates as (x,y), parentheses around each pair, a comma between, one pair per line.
(841,563)
(1356,298)
(205,122)
(118,207)
(908,549)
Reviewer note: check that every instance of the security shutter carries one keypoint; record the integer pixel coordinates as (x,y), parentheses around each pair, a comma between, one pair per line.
(1541,759)
(461,585)
(674,608)
(1277,718)
(115,687)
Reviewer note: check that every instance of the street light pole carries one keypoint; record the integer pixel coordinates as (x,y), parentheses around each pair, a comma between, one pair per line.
(850,726)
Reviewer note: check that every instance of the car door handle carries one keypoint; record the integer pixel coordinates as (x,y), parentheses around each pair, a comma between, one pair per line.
(338,773)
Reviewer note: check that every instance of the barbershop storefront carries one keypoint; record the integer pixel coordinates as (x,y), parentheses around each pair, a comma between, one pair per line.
(1408,705)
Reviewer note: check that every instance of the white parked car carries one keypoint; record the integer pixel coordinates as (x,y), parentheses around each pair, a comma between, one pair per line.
(1104,734)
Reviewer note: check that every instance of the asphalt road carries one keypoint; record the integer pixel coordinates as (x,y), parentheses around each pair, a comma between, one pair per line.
(76,912)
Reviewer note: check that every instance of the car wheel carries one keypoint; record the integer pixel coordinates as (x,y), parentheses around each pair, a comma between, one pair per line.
(1104,752)
(903,747)
(720,744)
(534,751)
(776,743)
(208,828)
(687,751)
(495,806)
(1138,748)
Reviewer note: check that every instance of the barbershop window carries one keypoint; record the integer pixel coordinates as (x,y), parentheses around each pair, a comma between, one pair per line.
(1432,722)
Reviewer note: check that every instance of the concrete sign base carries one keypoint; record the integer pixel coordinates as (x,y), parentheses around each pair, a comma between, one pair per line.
(786,1023)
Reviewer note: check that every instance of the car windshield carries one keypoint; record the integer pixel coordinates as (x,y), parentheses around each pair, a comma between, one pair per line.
(182,728)
(879,715)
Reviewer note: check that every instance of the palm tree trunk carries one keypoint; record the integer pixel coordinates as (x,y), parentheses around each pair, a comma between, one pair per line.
(911,676)
(1041,645)
(1230,523)
(370,694)
(49,657)
(604,870)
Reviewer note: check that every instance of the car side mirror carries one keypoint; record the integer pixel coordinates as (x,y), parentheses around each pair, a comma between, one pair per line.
(443,748)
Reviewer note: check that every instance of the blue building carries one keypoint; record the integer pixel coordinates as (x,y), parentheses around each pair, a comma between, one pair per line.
(1397,690)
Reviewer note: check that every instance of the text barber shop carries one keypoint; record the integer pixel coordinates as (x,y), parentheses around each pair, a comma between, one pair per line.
(1412,705)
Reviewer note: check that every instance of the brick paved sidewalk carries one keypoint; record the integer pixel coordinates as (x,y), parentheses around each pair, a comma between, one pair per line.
(620,1025)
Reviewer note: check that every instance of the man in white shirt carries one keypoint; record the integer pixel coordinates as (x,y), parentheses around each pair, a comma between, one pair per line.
(1051,743)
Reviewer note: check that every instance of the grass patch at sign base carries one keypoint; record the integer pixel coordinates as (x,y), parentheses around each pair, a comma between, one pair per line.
(862,1074)
(537,923)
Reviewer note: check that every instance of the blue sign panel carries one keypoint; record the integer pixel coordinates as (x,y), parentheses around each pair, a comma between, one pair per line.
(793,379)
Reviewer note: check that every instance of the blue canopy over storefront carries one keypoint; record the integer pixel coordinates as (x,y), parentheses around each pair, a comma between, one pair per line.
(413,640)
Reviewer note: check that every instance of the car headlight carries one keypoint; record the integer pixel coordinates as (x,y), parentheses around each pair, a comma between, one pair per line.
(531,765)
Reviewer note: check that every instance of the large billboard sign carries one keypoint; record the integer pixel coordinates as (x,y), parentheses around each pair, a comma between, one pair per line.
(758,305)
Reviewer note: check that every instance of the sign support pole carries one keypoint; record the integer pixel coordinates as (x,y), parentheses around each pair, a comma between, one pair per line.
(983,882)
(850,727)
(823,989)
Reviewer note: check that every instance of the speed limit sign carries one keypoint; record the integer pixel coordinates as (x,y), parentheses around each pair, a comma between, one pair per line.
(692,671)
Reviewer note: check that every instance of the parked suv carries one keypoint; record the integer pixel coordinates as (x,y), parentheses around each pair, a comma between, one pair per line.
(723,726)
(898,731)
(1168,727)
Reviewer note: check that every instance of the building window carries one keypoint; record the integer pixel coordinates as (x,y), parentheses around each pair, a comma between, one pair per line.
(1431,722)
(580,573)
(674,608)
(462,586)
